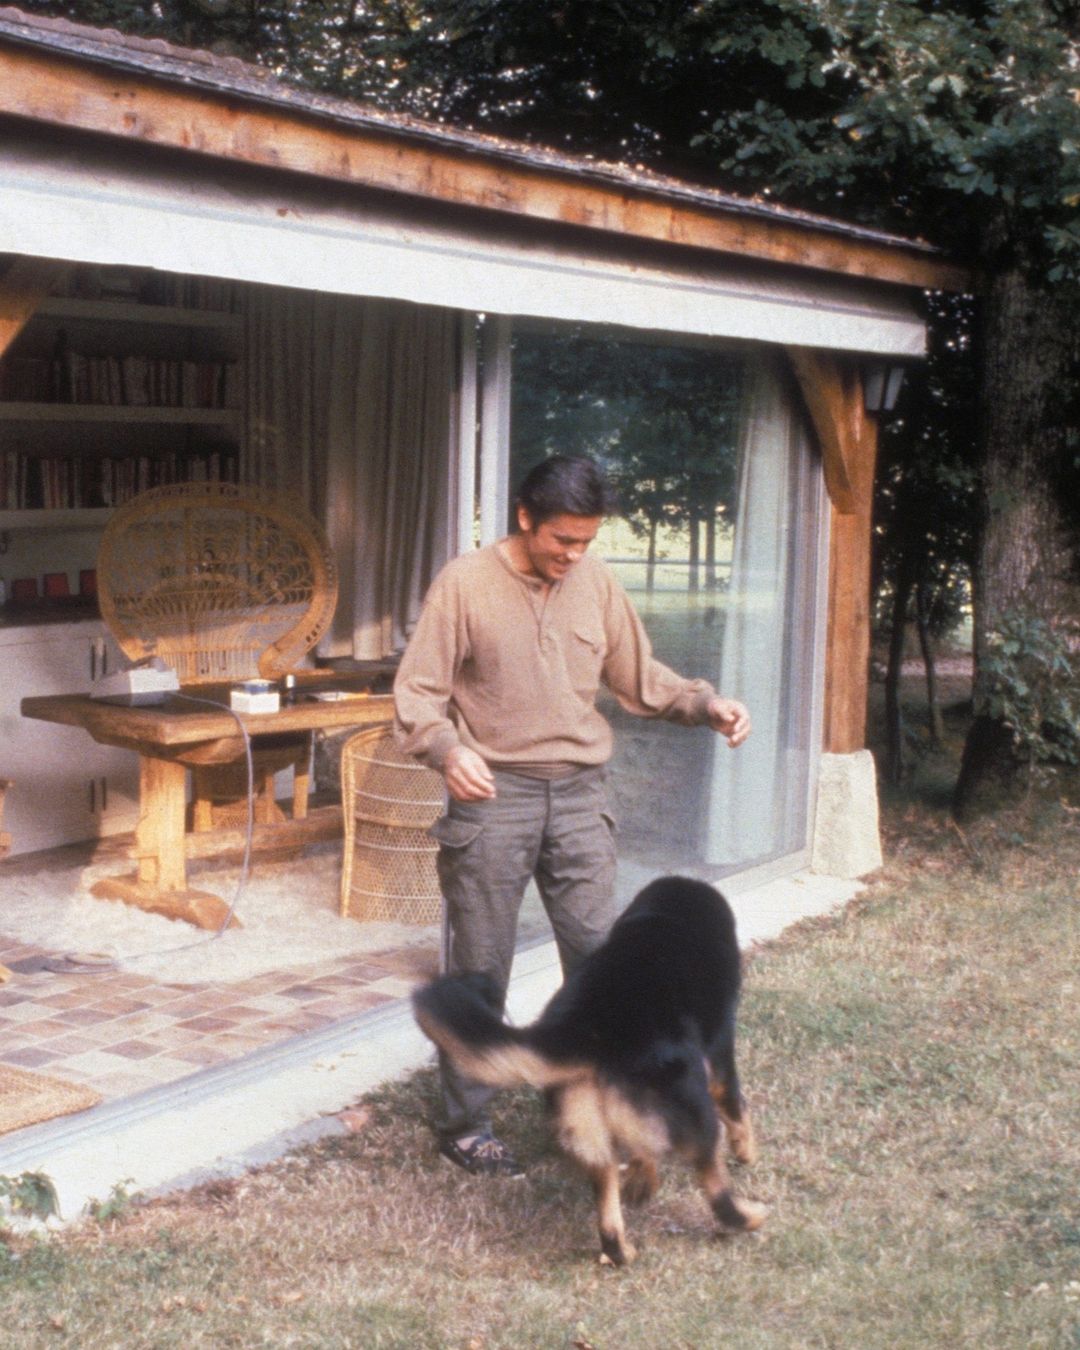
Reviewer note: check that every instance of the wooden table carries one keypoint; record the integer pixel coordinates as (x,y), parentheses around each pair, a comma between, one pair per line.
(175,735)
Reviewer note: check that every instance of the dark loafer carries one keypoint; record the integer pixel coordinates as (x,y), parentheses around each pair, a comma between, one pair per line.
(483,1155)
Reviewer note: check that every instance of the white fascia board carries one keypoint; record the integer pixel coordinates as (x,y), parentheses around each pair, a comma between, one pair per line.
(276,230)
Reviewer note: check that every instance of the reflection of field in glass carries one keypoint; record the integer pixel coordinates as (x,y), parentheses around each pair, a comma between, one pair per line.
(659,772)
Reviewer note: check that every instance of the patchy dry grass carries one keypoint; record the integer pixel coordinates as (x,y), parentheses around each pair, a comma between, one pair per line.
(914,1067)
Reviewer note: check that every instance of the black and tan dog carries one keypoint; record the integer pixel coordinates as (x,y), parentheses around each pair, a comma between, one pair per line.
(636,1052)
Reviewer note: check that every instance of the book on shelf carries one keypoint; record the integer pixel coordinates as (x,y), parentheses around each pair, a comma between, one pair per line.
(73,377)
(24,379)
(46,482)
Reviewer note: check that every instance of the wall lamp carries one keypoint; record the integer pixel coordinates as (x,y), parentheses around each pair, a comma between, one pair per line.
(881,387)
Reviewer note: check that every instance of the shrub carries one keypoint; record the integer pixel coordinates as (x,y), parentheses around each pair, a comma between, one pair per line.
(1030,681)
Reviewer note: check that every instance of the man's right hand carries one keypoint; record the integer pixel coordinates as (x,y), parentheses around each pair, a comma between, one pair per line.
(468,778)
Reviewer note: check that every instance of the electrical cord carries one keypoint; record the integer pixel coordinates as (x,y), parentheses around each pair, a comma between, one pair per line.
(93,964)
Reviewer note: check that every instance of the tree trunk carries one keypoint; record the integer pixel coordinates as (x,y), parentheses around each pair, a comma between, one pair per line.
(894,718)
(710,547)
(650,564)
(1026,557)
(695,551)
(922,623)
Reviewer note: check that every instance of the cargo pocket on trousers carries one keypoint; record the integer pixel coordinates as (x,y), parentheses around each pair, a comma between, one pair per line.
(453,863)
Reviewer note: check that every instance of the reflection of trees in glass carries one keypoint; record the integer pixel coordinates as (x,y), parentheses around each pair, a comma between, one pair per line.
(662,420)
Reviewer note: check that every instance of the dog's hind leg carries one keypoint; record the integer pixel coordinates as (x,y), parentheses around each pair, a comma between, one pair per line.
(585,1136)
(640,1180)
(609,1216)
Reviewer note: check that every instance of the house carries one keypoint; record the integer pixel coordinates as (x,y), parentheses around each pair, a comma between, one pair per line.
(204,270)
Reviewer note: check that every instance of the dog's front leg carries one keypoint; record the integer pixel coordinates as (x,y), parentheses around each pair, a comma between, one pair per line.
(731,1104)
(613,1243)
(732,1213)
(738,1125)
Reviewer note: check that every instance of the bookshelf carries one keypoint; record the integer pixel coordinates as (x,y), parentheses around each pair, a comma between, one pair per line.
(130,381)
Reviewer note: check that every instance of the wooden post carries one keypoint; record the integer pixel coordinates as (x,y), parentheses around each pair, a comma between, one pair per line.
(833,391)
(160,884)
(159,835)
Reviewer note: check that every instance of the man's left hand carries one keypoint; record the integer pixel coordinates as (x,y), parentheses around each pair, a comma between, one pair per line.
(730,718)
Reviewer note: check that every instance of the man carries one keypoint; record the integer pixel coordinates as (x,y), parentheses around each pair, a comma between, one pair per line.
(497,691)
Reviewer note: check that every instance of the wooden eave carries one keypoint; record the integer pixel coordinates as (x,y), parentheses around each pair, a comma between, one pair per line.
(65,91)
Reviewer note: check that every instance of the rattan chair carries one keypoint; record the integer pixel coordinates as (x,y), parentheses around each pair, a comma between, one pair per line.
(225,583)
(388,801)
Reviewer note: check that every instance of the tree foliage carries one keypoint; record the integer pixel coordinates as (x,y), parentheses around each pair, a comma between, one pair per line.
(663,421)
(945,117)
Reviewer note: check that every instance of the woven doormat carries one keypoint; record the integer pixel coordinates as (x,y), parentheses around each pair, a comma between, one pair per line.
(27,1098)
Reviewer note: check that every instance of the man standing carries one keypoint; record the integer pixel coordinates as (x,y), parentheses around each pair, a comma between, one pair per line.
(497,691)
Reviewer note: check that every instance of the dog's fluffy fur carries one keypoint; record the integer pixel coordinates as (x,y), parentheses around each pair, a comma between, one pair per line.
(636,1052)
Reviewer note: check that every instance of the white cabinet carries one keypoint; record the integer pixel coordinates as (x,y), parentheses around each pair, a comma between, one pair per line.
(65,787)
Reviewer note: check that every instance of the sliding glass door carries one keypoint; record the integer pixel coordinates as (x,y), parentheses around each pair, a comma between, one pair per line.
(718,545)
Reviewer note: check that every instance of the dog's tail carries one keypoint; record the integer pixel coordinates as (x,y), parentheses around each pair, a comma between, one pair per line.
(460,1013)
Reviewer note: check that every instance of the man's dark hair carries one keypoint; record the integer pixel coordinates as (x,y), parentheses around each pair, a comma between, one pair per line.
(564,485)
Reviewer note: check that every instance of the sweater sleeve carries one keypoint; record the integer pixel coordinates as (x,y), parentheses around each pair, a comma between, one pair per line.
(424,682)
(644,686)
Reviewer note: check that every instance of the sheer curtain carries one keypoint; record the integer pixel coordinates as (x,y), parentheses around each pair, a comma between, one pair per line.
(754,789)
(349,405)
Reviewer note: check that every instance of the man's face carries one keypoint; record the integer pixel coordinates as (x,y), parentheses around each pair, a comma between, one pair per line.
(556,544)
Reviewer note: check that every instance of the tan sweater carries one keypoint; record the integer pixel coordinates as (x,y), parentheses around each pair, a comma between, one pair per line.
(510,667)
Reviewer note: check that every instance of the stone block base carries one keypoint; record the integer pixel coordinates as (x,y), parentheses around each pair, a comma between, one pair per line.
(846,839)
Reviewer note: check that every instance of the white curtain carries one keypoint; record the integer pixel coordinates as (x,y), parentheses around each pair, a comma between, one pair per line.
(752,788)
(350,406)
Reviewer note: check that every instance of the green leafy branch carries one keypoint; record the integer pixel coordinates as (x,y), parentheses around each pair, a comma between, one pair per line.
(1031,683)
(30,1193)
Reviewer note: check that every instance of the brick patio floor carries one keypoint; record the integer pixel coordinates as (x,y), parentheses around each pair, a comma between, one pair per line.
(121,1033)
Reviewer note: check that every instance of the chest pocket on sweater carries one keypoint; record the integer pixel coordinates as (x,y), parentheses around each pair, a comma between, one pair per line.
(585,651)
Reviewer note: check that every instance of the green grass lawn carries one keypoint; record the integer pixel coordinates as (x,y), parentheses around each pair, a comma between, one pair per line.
(914,1065)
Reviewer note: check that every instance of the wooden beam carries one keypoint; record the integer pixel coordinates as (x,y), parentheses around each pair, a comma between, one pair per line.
(848,437)
(832,394)
(22,288)
(847,649)
(70,93)
(322,824)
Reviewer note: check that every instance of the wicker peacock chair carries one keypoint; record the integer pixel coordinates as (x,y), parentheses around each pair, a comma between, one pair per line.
(225,583)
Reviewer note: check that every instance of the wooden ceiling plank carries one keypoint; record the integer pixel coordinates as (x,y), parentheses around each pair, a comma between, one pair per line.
(25,284)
